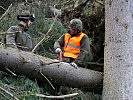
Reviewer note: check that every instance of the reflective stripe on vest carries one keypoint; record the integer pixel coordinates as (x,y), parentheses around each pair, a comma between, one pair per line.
(72,45)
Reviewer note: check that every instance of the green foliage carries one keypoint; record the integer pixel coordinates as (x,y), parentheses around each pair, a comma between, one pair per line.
(24,88)
(82,95)
(5,3)
(21,87)
(54,34)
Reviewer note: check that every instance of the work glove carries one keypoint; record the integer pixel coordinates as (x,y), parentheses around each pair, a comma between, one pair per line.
(74,65)
(58,50)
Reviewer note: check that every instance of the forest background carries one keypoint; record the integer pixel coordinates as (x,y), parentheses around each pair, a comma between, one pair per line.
(91,12)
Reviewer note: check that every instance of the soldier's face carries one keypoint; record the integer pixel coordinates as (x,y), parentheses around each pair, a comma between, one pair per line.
(73,31)
(29,23)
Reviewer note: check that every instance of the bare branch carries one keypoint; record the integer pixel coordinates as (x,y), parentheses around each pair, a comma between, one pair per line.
(3,8)
(100,2)
(26,1)
(95,63)
(48,81)
(4,96)
(7,11)
(9,93)
(45,36)
(57,97)
(6,33)
(10,71)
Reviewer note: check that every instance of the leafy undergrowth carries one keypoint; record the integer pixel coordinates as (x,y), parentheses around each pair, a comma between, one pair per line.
(24,88)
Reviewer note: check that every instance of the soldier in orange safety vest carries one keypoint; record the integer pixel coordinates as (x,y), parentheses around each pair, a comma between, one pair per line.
(74,44)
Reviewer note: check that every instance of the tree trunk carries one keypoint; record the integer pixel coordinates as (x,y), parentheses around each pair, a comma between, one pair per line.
(118,54)
(61,73)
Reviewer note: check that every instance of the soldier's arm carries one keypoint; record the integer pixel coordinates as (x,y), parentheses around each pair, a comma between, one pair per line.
(10,37)
(84,50)
(59,43)
(29,43)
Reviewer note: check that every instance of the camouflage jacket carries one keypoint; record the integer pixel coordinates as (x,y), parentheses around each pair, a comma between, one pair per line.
(17,38)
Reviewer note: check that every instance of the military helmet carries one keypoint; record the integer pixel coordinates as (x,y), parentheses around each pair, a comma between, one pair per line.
(76,24)
(26,15)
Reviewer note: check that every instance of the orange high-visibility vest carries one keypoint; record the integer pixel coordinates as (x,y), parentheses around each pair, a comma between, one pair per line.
(72,45)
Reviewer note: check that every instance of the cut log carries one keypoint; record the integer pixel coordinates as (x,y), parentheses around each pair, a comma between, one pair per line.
(61,73)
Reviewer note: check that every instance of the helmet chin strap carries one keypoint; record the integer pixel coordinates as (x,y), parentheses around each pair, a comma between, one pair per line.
(26,27)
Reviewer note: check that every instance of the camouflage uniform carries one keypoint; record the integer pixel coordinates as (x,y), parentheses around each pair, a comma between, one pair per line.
(20,40)
(16,35)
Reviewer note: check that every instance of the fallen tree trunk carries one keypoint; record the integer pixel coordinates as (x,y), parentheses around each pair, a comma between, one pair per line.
(61,73)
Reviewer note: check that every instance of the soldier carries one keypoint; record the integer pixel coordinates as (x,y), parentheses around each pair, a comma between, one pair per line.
(16,35)
(74,44)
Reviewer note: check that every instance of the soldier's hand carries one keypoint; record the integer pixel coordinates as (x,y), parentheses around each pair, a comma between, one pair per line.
(74,65)
(58,50)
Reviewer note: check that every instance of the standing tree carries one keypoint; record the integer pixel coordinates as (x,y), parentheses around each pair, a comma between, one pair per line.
(118,71)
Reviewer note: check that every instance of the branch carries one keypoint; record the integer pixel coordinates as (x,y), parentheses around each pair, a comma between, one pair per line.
(48,81)
(2,7)
(44,36)
(10,71)
(69,1)
(26,1)
(7,11)
(4,96)
(95,63)
(57,97)
(100,2)
(74,10)
(7,33)
(9,93)
(83,4)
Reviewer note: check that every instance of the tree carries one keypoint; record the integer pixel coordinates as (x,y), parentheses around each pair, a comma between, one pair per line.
(38,67)
(118,51)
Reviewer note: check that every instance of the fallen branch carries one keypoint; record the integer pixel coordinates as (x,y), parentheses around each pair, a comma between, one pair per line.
(57,97)
(44,36)
(10,71)
(9,93)
(7,11)
(48,81)
(95,63)
(5,33)
(2,94)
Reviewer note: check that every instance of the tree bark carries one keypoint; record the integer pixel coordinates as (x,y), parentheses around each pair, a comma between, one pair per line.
(61,73)
(118,53)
